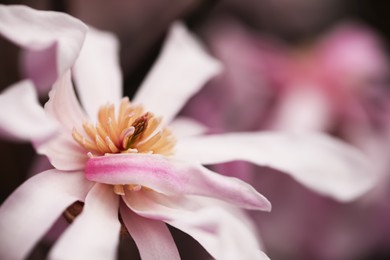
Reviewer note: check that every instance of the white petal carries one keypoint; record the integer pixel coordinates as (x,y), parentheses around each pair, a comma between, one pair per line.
(31,210)
(185,126)
(97,72)
(63,104)
(21,115)
(153,238)
(219,231)
(95,232)
(64,153)
(41,34)
(318,161)
(181,70)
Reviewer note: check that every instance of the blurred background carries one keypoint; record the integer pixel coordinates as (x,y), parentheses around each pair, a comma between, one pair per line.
(290,65)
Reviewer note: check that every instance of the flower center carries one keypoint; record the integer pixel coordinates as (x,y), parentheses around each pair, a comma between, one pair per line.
(131,130)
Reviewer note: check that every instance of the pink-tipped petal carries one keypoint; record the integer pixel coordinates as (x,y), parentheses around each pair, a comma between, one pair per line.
(63,104)
(181,70)
(21,115)
(320,162)
(153,238)
(95,232)
(39,32)
(97,72)
(218,230)
(173,177)
(31,210)
(64,153)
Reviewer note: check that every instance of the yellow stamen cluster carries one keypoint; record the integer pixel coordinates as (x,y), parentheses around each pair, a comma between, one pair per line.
(132,130)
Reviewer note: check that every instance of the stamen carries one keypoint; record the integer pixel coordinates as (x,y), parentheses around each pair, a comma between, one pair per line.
(100,129)
(89,129)
(111,145)
(118,189)
(133,187)
(131,150)
(101,144)
(82,141)
(150,143)
(112,128)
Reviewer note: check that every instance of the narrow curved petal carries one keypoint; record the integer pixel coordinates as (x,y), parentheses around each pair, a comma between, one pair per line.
(219,231)
(63,104)
(185,126)
(153,238)
(64,153)
(181,70)
(95,232)
(21,115)
(317,161)
(173,177)
(97,72)
(43,34)
(31,210)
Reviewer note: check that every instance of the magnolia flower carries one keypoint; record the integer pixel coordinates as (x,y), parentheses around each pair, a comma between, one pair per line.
(118,157)
(128,153)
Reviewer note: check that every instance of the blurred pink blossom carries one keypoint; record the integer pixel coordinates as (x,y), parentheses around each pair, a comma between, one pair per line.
(338,84)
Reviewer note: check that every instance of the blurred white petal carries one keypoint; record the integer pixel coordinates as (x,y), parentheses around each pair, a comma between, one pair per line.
(43,34)
(21,115)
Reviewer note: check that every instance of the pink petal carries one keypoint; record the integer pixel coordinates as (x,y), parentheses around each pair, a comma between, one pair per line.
(95,232)
(218,230)
(63,104)
(181,70)
(31,210)
(42,34)
(173,177)
(153,238)
(64,153)
(21,115)
(97,72)
(318,161)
